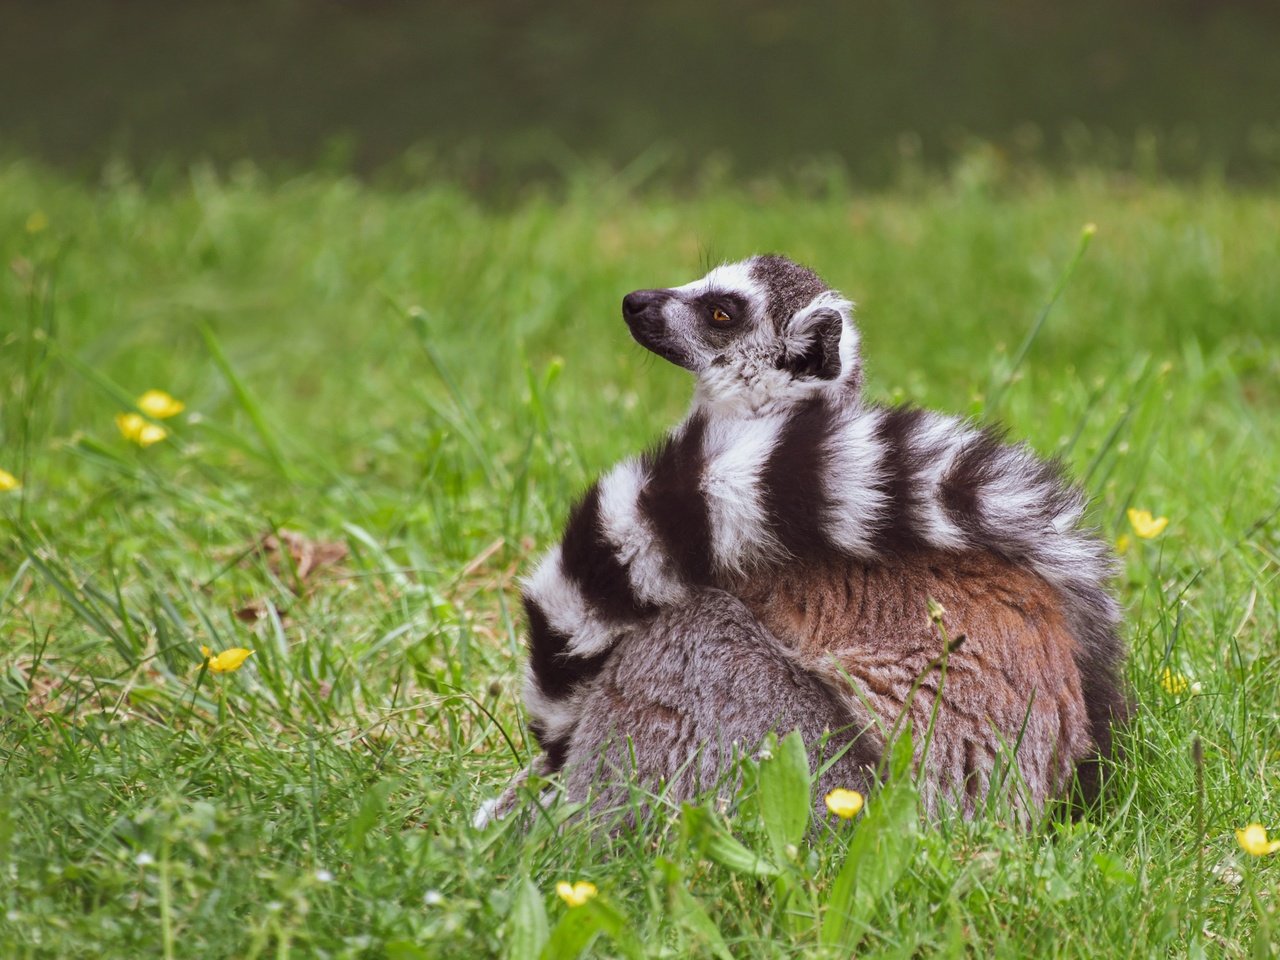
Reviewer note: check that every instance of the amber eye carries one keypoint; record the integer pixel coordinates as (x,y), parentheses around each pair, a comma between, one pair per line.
(719,316)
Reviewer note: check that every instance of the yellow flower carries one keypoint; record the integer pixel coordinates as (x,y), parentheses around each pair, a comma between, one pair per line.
(227,660)
(8,481)
(37,222)
(845,804)
(1174,683)
(1145,525)
(134,427)
(160,405)
(1122,543)
(1253,840)
(575,894)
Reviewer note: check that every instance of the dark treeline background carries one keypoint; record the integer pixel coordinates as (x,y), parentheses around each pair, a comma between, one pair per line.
(498,93)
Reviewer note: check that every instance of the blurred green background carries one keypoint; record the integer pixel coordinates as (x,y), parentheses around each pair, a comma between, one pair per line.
(501,93)
(378,250)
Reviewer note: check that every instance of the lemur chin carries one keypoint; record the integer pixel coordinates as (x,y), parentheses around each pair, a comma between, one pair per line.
(767,566)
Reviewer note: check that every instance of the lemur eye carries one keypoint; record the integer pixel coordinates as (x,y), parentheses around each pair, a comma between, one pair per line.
(719,316)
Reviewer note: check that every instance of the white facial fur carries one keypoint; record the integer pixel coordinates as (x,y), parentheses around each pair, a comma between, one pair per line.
(750,370)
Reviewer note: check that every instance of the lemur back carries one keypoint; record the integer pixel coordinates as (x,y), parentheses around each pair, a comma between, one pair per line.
(1012,687)
(834,520)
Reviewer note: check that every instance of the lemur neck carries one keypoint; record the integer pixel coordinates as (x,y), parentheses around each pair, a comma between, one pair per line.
(760,391)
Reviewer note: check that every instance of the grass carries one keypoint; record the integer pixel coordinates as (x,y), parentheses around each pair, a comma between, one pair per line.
(427,382)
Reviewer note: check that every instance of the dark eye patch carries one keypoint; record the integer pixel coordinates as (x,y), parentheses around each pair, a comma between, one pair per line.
(733,304)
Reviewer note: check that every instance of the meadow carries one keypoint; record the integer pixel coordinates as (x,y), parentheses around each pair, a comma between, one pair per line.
(391,396)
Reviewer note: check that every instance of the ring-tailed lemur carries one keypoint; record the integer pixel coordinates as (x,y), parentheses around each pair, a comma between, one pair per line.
(833,520)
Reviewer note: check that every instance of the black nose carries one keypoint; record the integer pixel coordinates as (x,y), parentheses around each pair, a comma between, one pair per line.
(635,304)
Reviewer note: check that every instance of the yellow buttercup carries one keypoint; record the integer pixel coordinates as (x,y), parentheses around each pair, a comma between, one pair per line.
(227,660)
(1145,525)
(137,429)
(575,894)
(160,405)
(1253,840)
(845,804)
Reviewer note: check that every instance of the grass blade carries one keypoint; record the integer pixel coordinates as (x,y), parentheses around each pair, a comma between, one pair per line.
(527,927)
(247,402)
(996,391)
(785,794)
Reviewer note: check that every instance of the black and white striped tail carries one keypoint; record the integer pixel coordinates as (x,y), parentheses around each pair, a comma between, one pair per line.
(722,497)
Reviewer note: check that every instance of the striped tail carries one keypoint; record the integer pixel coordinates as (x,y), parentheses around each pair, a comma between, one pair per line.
(727,497)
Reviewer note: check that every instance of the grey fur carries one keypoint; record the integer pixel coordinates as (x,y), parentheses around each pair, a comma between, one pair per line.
(788,286)
(705,682)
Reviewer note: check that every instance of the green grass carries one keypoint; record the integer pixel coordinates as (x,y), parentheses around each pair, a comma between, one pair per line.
(429,381)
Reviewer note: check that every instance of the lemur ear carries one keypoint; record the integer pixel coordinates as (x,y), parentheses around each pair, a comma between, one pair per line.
(821,343)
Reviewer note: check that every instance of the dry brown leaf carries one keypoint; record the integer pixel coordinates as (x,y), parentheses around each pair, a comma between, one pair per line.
(256,610)
(306,556)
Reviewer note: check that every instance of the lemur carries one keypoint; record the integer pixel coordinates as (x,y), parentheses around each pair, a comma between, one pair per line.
(768,566)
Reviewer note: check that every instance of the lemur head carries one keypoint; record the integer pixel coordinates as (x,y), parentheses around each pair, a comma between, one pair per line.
(758,334)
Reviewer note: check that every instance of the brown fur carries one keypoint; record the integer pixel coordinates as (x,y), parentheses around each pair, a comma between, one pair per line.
(1012,682)
(703,681)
